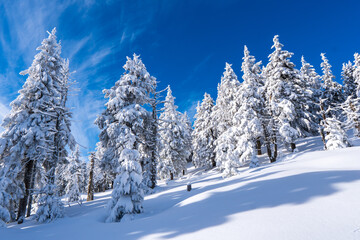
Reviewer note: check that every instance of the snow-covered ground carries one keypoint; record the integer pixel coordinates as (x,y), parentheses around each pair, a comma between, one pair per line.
(312,194)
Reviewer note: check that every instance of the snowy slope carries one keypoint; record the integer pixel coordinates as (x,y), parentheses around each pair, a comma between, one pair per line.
(307,195)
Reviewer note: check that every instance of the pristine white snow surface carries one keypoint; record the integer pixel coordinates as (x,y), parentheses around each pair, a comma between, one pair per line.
(307,195)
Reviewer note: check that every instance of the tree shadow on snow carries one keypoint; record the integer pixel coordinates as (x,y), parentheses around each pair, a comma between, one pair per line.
(191,217)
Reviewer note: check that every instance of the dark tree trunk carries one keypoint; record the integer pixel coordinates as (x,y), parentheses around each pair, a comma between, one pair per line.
(184,172)
(293,146)
(322,133)
(258,147)
(153,146)
(213,163)
(171,176)
(27,182)
(268,140)
(32,184)
(90,193)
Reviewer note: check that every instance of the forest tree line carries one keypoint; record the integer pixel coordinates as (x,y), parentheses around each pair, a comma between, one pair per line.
(141,142)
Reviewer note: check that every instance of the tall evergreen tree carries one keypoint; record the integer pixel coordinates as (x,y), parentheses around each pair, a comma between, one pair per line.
(122,125)
(223,113)
(173,149)
(74,176)
(226,105)
(331,90)
(312,92)
(356,73)
(241,138)
(349,84)
(282,94)
(150,153)
(185,121)
(351,112)
(203,136)
(248,119)
(38,128)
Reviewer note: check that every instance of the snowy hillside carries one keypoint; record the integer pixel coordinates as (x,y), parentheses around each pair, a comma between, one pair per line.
(306,195)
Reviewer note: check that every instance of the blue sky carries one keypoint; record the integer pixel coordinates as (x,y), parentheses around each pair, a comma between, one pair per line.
(184,43)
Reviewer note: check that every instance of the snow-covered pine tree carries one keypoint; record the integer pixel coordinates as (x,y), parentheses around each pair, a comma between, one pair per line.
(312,92)
(247,128)
(121,125)
(53,72)
(351,111)
(331,91)
(203,136)
(356,73)
(223,112)
(336,136)
(349,84)
(173,151)
(187,126)
(285,118)
(149,151)
(9,191)
(248,119)
(38,128)
(74,177)
(101,181)
(226,106)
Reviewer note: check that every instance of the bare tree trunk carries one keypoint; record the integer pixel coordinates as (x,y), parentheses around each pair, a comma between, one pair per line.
(322,133)
(268,139)
(90,193)
(171,176)
(213,157)
(27,182)
(32,184)
(153,146)
(258,147)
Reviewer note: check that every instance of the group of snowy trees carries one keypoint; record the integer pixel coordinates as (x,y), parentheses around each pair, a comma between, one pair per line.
(273,106)
(135,144)
(36,138)
(139,142)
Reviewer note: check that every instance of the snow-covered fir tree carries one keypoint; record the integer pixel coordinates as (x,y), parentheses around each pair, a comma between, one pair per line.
(283,95)
(173,149)
(37,130)
(226,106)
(149,149)
(203,136)
(185,121)
(101,180)
(9,192)
(248,119)
(312,91)
(74,177)
(121,125)
(336,136)
(356,73)
(127,195)
(351,111)
(247,122)
(331,91)
(349,84)
(223,112)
